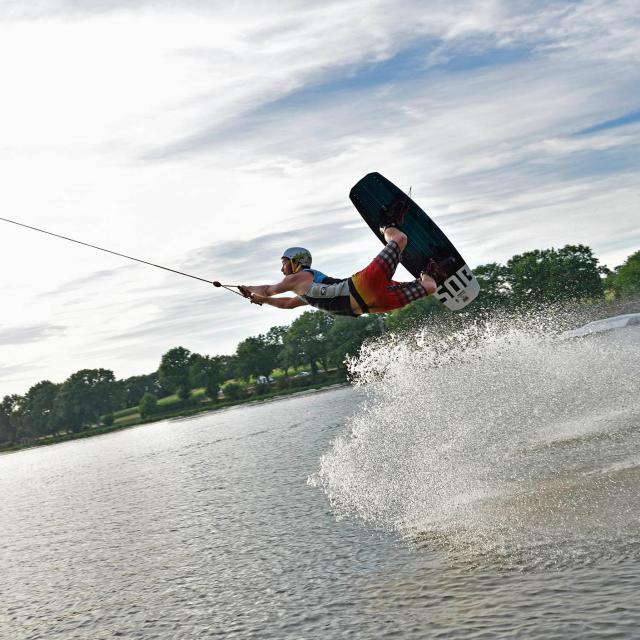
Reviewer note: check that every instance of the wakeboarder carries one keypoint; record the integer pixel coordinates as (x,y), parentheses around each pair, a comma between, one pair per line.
(370,290)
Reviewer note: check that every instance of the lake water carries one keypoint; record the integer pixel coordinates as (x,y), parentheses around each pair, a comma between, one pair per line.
(486,488)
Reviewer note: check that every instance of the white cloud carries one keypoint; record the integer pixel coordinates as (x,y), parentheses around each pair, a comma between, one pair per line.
(157,129)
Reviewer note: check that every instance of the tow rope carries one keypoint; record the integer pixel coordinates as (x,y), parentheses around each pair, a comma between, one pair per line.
(215,283)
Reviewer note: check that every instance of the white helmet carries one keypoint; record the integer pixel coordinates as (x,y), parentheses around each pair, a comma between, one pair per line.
(301,255)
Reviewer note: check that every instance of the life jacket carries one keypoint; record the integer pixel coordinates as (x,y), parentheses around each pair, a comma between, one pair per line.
(331,295)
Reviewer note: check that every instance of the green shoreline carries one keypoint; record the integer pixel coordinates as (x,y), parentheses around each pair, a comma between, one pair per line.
(584,314)
(175,415)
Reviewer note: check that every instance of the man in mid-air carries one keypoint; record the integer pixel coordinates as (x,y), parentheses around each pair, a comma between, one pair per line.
(371,290)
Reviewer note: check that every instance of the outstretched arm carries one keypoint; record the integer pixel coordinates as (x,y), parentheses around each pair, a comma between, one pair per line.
(280,303)
(271,289)
(288,283)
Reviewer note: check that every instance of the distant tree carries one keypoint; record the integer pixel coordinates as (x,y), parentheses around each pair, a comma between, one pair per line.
(608,281)
(494,285)
(259,355)
(569,273)
(274,343)
(306,341)
(253,358)
(229,366)
(9,418)
(136,386)
(148,405)
(413,315)
(346,336)
(626,278)
(173,372)
(37,413)
(85,396)
(289,356)
(207,372)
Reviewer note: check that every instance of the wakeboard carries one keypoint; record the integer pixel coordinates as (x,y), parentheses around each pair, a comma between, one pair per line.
(428,248)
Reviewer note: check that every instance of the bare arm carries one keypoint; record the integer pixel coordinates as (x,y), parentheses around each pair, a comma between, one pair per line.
(288,283)
(279,303)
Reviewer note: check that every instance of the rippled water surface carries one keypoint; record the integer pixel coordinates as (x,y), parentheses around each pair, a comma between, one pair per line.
(489,491)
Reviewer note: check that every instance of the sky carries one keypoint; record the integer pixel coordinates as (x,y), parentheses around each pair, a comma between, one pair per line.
(209,136)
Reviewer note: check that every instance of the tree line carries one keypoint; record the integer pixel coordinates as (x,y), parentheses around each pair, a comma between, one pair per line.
(90,396)
(313,340)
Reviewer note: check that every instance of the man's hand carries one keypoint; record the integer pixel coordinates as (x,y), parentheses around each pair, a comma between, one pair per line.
(254,298)
(257,299)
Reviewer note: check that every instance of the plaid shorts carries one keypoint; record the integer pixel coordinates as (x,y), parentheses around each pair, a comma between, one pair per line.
(376,288)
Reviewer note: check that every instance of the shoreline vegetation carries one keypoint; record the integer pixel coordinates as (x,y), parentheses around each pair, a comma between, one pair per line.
(136,420)
(310,353)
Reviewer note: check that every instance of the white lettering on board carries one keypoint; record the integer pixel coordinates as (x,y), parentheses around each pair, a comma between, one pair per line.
(455,285)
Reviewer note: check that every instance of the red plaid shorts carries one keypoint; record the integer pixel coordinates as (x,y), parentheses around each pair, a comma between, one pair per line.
(376,288)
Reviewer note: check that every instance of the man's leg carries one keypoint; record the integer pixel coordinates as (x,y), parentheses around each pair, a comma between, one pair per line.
(393,234)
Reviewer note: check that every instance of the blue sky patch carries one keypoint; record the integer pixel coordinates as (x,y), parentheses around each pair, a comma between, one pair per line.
(467,60)
(622,121)
(408,63)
